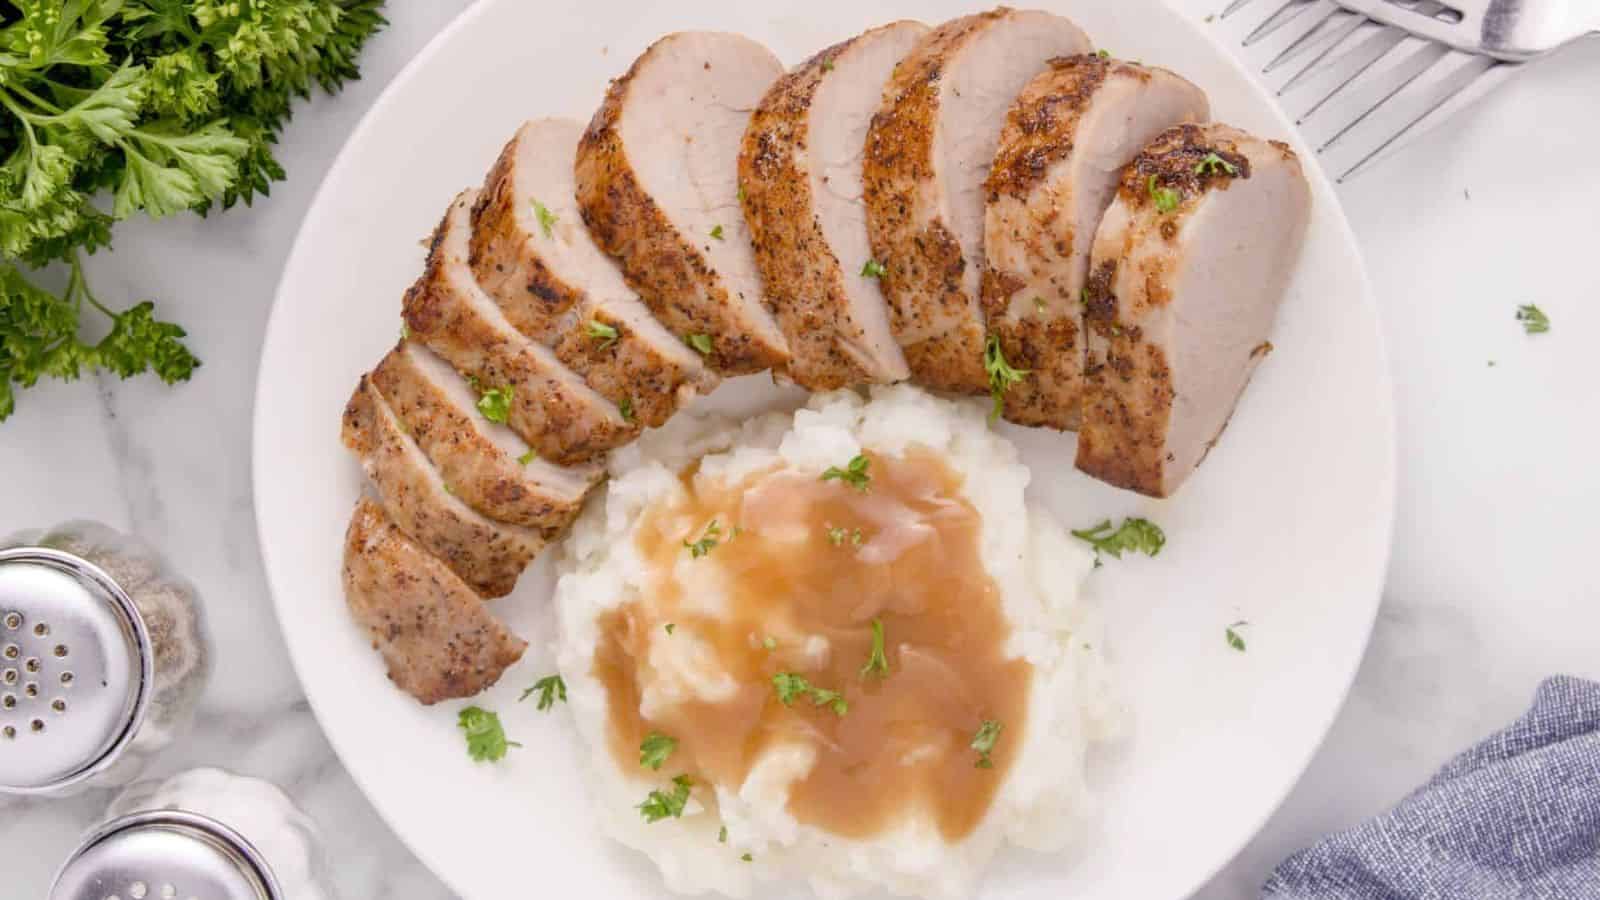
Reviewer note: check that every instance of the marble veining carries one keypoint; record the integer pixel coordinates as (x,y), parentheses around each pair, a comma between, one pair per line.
(1491,586)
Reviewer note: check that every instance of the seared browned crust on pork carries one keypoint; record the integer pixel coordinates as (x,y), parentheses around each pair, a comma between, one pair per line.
(923,263)
(551,413)
(1049,348)
(482,474)
(435,635)
(486,555)
(1047,109)
(631,372)
(508,266)
(802,277)
(669,272)
(1129,396)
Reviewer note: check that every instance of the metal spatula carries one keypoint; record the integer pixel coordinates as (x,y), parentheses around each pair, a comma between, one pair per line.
(1362,76)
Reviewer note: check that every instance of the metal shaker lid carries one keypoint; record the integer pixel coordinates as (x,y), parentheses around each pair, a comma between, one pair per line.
(76,665)
(166,855)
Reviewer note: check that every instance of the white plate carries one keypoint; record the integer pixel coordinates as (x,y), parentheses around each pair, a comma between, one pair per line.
(1286,525)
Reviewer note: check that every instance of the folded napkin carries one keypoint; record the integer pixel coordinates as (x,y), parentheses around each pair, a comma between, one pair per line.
(1517,816)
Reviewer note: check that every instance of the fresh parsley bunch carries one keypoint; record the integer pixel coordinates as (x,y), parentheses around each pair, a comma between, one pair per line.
(158,106)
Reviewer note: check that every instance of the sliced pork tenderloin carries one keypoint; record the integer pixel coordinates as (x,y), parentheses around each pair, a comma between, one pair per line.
(486,464)
(1189,267)
(435,635)
(532,254)
(487,555)
(548,405)
(800,175)
(657,178)
(928,152)
(1062,151)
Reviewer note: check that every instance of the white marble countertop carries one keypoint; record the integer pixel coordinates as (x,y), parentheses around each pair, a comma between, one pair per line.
(1491,587)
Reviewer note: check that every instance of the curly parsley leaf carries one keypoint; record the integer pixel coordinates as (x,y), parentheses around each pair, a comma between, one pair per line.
(708,541)
(1134,535)
(1166,199)
(1533,319)
(1234,639)
(550,689)
(602,334)
(141,106)
(877,660)
(1001,374)
(790,686)
(486,739)
(983,741)
(855,473)
(667,805)
(654,750)
(495,404)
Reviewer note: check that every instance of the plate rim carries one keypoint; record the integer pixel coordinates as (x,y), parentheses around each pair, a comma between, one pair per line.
(1323,189)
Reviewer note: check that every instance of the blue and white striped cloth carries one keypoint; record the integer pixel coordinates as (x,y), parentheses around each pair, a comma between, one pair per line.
(1517,816)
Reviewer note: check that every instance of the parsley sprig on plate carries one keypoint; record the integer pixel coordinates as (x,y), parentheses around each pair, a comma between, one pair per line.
(1133,535)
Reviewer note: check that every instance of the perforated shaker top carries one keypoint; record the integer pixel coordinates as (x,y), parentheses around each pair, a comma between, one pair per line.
(75,670)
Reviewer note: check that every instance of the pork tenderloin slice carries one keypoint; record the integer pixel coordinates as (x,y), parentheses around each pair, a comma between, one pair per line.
(487,465)
(928,151)
(1062,151)
(487,555)
(657,176)
(800,170)
(437,638)
(551,408)
(1190,265)
(532,254)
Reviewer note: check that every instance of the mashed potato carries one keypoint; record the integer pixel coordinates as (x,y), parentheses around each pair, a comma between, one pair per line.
(1036,567)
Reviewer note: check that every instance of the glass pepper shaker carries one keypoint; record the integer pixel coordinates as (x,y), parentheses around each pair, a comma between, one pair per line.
(204,834)
(103,658)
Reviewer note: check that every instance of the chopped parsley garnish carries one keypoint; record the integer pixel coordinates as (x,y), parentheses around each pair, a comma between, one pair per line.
(1001,374)
(769,643)
(838,534)
(827,65)
(547,219)
(1231,633)
(700,342)
(528,457)
(626,408)
(486,739)
(670,627)
(747,857)
(1166,199)
(655,749)
(659,805)
(707,542)
(495,404)
(602,334)
(1135,535)
(722,835)
(873,269)
(1533,319)
(550,689)
(1104,53)
(791,686)
(740,193)
(988,735)
(877,662)
(1212,163)
(854,473)
(405,332)
(716,232)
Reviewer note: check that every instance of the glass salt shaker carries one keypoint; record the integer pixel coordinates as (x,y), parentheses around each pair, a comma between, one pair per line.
(103,658)
(201,834)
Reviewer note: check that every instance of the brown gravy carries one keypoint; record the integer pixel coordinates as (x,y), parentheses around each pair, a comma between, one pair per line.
(902,747)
